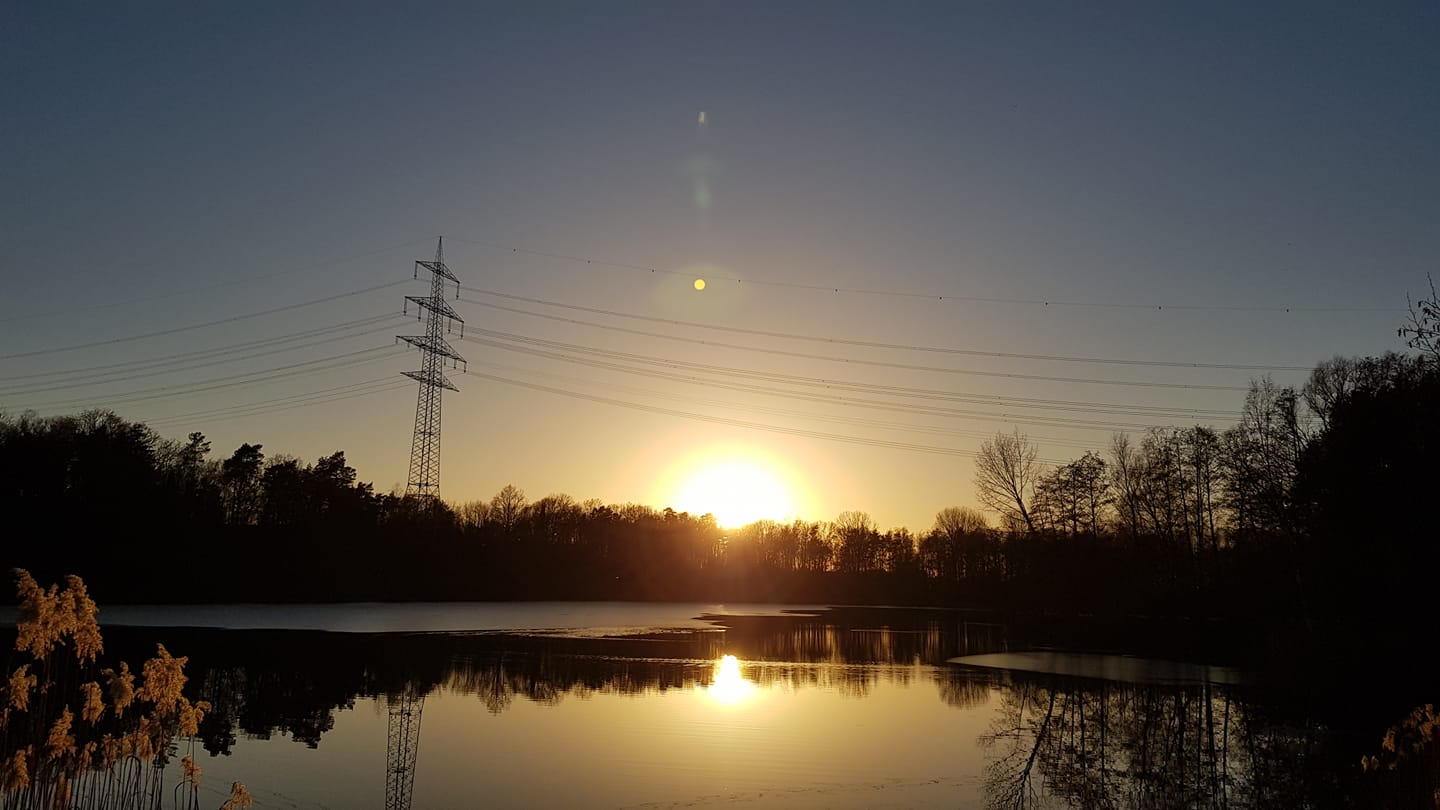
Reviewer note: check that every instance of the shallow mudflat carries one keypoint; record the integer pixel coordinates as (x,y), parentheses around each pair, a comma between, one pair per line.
(1120,668)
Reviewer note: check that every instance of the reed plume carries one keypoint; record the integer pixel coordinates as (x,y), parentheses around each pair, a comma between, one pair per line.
(59,746)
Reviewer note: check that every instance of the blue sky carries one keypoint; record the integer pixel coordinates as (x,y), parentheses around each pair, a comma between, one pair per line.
(174,164)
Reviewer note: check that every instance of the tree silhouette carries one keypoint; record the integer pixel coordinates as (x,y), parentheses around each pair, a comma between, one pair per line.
(1422,329)
(1005,476)
(1329,382)
(1071,498)
(507,506)
(241,476)
(959,547)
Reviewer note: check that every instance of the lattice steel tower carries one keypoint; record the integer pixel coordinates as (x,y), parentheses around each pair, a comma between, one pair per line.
(403,747)
(406,708)
(424,479)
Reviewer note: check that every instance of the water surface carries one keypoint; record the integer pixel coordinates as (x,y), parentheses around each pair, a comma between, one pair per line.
(645,705)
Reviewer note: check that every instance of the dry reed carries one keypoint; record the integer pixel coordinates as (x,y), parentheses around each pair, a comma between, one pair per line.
(59,746)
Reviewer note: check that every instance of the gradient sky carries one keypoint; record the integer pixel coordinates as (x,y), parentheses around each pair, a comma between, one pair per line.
(163,165)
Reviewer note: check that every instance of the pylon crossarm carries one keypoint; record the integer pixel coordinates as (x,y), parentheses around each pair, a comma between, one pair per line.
(426,343)
(439,269)
(436,305)
(436,379)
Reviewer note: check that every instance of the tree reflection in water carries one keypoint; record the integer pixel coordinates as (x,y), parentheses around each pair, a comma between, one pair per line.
(1052,741)
(293,682)
(1066,742)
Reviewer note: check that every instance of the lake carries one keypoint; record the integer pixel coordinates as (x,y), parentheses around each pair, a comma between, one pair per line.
(623,705)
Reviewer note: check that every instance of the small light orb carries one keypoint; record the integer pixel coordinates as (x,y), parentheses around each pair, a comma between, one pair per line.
(699,283)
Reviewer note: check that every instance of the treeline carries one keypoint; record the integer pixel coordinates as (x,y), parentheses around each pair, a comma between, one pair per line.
(1314,509)
(1310,514)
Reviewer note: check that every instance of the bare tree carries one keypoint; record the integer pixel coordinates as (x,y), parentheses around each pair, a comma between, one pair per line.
(1330,382)
(958,520)
(1261,457)
(1423,327)
(1005,476)
(856,540)
(554,519)
(507,506)
(1070,498)
(956,548)
(1202,456)
(1125,478)
(473,514)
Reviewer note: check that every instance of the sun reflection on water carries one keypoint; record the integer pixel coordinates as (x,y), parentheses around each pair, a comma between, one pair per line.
(729,686)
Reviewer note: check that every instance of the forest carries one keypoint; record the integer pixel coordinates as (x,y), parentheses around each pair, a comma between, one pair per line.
(1312,511)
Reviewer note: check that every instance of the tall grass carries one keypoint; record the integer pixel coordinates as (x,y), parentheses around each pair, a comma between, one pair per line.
(74,734)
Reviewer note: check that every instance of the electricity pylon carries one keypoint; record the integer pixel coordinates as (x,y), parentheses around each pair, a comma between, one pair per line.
(424,479)
(403,736)
(403,747)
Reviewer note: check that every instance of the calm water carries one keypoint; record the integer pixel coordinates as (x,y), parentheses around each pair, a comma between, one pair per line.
(659,706)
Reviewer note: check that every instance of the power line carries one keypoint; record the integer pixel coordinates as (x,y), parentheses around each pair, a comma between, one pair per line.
(1043,302)
(1046,421)
(721,420)
(1145,411)
(273,401)
(286,403)
(230,381)
(807,415)
(167,368)
(207,324)
(209,287)
(1148,411)
(1155,411)
(834,340)
(901,366)
(151,362)
(321,401)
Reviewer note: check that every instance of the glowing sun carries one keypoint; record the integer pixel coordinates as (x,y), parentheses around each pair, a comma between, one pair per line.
(735,492)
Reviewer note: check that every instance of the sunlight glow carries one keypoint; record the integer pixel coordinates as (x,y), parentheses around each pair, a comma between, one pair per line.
(699,283)
(735,491)
(729,686)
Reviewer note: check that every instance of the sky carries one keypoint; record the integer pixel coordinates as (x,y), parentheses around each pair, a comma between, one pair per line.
(210,213)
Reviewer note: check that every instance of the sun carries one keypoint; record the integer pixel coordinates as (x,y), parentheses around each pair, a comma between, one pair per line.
(736,491)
